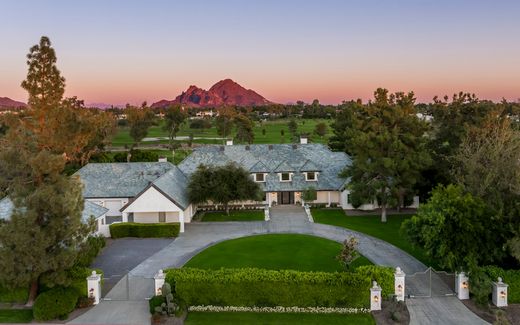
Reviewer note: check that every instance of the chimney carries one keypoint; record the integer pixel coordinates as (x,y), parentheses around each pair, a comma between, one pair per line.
(229,142)
(163,159)
(303,139)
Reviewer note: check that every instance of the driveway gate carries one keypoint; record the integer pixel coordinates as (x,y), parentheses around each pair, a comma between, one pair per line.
(430,283)
(129,287)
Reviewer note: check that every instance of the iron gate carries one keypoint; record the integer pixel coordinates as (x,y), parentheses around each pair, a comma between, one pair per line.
(128,287)
(430,283)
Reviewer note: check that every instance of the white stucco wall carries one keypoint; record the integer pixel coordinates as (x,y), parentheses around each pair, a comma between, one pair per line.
(110,202)
(102,227)
(151,201)
(153,217)
(368,206)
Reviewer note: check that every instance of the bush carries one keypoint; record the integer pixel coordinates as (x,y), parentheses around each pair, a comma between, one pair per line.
(490,274)
(384,276)
(259,287)
(144,230)
(18,295)
(55,303)
(91,249)
(155,301)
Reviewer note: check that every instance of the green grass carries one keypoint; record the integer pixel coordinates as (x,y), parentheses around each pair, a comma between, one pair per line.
(244,318)
(16,316)
(272,132)
(372,225)
(18,295)
(247,215)
(274,252)
(179,156)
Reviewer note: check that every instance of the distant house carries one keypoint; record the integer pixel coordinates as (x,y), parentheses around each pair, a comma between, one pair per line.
(208,113)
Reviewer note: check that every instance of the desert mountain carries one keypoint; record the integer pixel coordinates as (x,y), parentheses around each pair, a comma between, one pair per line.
(224,92)
(6,102)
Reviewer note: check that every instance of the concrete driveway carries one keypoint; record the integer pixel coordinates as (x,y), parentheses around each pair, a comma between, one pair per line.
(122,255)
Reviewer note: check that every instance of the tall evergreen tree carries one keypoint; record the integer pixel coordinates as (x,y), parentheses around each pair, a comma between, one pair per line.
(388,149)
(45,233)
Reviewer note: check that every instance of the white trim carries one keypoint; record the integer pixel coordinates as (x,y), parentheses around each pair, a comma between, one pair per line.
(315,179)
(255,177)
(285,181)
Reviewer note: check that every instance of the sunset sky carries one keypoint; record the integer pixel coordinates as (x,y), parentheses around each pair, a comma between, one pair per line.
(130,51)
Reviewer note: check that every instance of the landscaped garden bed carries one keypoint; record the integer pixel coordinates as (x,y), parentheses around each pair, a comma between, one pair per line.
(275,252)
(8,316)
(248,318)
(234,215)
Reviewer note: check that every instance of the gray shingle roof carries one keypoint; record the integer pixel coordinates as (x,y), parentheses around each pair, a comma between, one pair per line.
(284,167)
(329,163)
(174,183)
(309,166)
(259,167)
(89,209)
(105,180)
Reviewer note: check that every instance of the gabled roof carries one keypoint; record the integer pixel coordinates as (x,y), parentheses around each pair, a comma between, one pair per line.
(89,209)
(276,157)
(174,184)
(259,167)
(106,180)
(284,167)
(309,166)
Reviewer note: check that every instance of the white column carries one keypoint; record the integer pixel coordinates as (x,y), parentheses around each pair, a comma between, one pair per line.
(462,286)
(500,293)
(181,220)
(399,284)
(375,297)
(124,217)
(268,198)
(159,278)
(328,193)
(94,287)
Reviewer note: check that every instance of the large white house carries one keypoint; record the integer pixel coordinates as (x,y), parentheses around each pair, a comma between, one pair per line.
(155,192)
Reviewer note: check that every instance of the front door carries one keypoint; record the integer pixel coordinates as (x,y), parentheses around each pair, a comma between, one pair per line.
(286,197)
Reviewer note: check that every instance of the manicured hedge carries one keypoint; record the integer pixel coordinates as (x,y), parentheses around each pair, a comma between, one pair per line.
(259,287)
(18,295)
(55,303)
(510,277)
(144,230)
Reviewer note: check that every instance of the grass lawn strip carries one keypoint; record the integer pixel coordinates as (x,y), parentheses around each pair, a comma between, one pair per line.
(372,225)
(274,252)
(196,318)
(16,316)
(242,215)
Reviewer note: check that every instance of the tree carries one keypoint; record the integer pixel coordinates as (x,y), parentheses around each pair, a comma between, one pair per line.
(454,228)
(487,165)
(388,149)
(244,127)
(348,253)
(292,126)
(174,117)
(321,129)
(224,121)
(309,194)
(45,234)
(140,120)
(342,125)
(222,184)
(44,82)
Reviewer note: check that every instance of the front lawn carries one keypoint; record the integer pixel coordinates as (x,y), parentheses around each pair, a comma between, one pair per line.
(240,215)
(274,252)
(372,225)
(16,316)
(199,318)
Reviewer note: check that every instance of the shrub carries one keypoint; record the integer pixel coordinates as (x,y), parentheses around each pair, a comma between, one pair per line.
(91,249)
(18,295)
(258,287)
(511,277)
(154,302)
(384,276)
(144,230)
(55,303)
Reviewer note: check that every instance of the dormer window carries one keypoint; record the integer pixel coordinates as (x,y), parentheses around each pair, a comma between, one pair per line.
(311,176)
(285,177)
(260,177)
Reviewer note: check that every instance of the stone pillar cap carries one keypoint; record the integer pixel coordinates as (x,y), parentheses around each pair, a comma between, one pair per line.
(398,271)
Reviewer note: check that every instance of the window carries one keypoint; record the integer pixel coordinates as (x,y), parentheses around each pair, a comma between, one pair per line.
(260,177)
(162,216)
(285,177)
(310,176)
